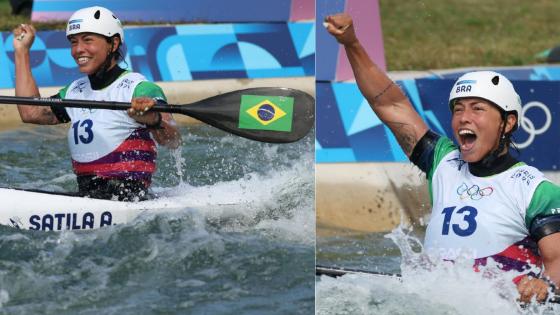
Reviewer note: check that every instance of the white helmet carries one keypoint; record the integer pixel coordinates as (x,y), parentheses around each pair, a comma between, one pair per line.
(491,86)
(96,20)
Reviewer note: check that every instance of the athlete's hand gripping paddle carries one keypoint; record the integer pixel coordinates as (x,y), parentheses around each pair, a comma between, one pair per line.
(267,114)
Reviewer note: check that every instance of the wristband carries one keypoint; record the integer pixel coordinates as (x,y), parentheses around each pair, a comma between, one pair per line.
(551,284)
(157,124)
(551,296)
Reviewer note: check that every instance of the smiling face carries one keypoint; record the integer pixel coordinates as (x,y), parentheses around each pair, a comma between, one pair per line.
(477,125)
(90,50)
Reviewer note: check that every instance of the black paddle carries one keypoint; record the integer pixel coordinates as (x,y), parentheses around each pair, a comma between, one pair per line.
(267,114)
(338,272)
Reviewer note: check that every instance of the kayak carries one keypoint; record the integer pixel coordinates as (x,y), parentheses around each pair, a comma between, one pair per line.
(51,211)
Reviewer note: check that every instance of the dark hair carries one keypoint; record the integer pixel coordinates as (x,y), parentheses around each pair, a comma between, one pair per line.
(505,137)
(509,135)
(118,54)
(504,140)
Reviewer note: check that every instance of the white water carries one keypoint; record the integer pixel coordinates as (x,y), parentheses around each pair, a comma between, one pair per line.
(237,244)
(279,204)
(177,156)
(428,286)
(241,240)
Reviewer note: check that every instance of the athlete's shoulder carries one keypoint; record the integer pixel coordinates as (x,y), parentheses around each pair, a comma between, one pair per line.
(545,202)
(548,189)
(525,175)
(133,75)
(446,152)
(128,80)
(149,89)
(532,191)
(445,144)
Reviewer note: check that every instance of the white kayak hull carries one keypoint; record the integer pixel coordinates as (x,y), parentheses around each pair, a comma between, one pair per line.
(31,210)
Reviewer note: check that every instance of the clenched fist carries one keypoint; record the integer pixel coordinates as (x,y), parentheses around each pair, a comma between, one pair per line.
(342,28)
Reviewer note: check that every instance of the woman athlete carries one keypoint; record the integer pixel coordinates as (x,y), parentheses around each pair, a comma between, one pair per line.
(485,203)
(113,152)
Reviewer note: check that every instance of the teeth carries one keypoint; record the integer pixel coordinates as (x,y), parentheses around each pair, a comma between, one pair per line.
(82,60)
(466,132)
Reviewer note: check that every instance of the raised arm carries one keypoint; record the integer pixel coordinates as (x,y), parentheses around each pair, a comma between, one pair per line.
(385,98)
(24,35)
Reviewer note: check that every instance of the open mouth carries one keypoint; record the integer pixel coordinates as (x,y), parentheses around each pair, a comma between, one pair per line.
(467,139)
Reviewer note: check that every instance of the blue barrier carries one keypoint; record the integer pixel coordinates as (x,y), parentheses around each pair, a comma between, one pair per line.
(349,131)
(172,10)
(182,52)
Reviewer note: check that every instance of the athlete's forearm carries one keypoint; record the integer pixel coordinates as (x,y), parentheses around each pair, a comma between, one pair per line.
(550,252)
(552,271)
(386,99)
(374,84)
(27,87)
(168,135)
(25,83)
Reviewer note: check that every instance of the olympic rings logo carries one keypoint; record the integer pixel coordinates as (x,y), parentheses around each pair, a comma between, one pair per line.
(528,125)
(474,192)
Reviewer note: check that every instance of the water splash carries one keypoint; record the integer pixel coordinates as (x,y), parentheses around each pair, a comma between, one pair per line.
(241,240)
(237,245)
(428,285)
(177,156)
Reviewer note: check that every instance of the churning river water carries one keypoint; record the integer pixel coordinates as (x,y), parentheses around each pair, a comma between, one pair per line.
(254,256)
(428,286)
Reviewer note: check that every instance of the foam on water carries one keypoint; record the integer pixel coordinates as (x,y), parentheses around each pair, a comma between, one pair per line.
(241,241)
(280,203)
(428,286)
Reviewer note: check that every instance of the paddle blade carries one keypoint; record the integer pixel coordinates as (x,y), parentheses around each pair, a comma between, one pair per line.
(269,114)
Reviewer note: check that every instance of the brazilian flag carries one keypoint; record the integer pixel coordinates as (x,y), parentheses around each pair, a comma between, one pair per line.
(266,112)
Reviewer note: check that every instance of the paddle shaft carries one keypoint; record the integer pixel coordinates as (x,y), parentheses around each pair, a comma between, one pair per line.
(41,101)
(337,272)
(237,112)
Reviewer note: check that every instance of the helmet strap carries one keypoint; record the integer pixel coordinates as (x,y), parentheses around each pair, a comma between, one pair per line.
(107,63)
(489,159)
